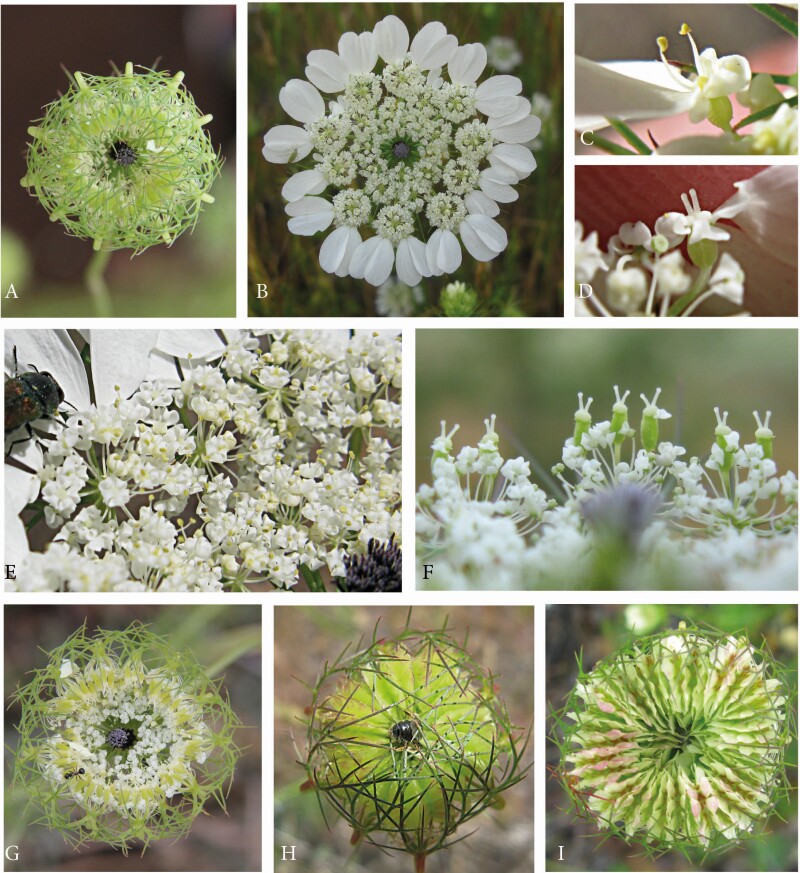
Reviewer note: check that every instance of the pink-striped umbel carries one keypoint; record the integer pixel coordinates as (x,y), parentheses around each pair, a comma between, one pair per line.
(677,740)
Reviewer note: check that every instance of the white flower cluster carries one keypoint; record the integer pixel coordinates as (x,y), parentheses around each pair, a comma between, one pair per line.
(645,273)
(414,157)
(281,457)
(628,516)
(170,736)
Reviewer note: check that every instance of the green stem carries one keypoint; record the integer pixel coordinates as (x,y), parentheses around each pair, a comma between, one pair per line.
(776,17)
(97,284)
(764,113)
(624,131)
(313,578)
(682,302)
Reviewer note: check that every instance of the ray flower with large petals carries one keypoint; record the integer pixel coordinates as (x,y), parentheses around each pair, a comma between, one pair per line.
(408,154)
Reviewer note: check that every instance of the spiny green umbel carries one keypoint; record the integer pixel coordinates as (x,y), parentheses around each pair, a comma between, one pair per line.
(412,742)
(123,738)
(123,160)
(678,740)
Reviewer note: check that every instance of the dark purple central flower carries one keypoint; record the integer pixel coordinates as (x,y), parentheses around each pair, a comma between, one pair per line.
(120,738)
(401,150)
(123,154)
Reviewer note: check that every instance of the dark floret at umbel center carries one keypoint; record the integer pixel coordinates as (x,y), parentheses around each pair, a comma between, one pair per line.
(381,569)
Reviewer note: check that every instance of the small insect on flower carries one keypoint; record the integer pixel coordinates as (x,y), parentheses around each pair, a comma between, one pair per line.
(30,397)
(69,774)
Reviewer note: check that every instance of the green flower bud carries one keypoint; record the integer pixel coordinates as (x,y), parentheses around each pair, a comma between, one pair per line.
(458,300)
(413,742)
(721,433)
(678,740)
(123,160)
(122,738)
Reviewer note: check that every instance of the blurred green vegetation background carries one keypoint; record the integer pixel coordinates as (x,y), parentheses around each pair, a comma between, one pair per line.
(500,639)
(525,279)
(531,378)
(599,630)
(226,640)
(195,276)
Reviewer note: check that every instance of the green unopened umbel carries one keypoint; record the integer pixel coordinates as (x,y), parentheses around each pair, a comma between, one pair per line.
(413,741)
(123,160)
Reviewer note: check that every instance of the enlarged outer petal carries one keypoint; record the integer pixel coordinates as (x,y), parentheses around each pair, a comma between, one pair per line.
(515,157)
(412,261)
(373,260)
(337,250)
(286,143)
(443,252)
(309,215)
(483,237)
(302,101)
(302,183)
(494,182)
(21,488)
(765,207)
(498,95)
(391,38)
(467,63)
(518,126)
(433,46)
(478,203)
(724,144)
(199,345)
(358,51)
(628,90)
(326,70)
(120,361)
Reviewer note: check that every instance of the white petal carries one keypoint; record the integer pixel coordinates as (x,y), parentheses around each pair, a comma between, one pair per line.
(412,261)
(492,235)
(522,109)
(373,260)
(723,144)
(467,63)
(334,251)
(474,244)
(500,173)
(478,203)
(498,191)
(443,252)
(432,46)
(286,143)
(391,38)
(358,51)
(302,183)
(199,345)
(120,360)
(515,157)
(605,91)
(765,207)
(21,488)
(498,86)
(309,215)
(326,70)
(302,101)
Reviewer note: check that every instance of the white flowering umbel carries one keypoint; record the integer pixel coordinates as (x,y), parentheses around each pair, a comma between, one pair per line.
(677,740)
(122,738)
(633,512)
(279,459)
(410,155)
(473,521)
